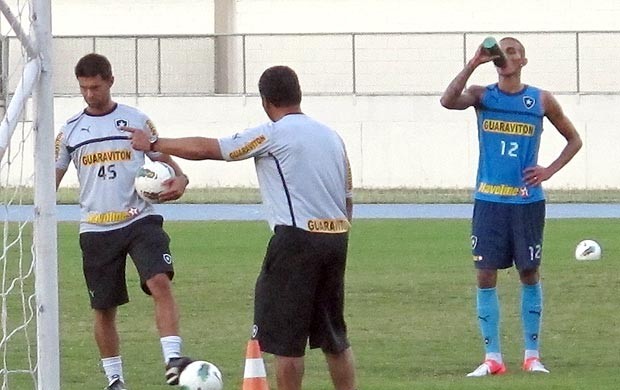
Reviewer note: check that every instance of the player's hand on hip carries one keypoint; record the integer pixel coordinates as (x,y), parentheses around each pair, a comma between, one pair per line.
(535,175)
(139,138)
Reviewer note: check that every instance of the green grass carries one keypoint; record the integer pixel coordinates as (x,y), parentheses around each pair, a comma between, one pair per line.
(410,308)
(365,195)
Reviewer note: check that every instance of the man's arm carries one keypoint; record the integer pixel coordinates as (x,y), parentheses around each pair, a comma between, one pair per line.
(349,209)
(555,114)
(60,173)
(456,97)
(349,186)
(189,148)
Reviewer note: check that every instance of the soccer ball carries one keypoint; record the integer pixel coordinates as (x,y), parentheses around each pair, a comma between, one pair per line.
(588,250)
(201,375)
(149,180)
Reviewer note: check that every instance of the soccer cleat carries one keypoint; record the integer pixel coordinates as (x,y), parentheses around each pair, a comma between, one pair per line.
(117,384)
(174,368)
(533,364)
(489,367)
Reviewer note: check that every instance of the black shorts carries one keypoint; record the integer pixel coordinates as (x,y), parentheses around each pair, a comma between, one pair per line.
(104,256)
(504,234)
(300,293)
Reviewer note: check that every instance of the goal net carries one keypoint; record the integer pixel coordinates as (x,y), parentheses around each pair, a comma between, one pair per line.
(29,341)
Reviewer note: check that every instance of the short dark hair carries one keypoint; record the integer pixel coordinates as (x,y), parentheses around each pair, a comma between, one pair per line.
(92,65)
(279,85)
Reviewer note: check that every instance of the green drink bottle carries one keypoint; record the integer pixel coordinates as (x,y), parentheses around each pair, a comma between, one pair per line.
(492,47)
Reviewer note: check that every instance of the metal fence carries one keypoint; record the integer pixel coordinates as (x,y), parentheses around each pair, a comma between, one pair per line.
(328,64)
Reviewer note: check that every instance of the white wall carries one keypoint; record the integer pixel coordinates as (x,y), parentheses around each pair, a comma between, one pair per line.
(397,141)
(118,17)
(425,15)
(132,17)
(393,141)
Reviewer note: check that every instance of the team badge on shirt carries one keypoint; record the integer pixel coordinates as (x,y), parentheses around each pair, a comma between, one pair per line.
(528,101)
(120,122)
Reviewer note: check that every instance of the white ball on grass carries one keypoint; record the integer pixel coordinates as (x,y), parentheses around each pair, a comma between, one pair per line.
(201,375)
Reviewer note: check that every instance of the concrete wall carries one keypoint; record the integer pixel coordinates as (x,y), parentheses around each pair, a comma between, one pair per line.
(407,141)
(118,17)
(393,141)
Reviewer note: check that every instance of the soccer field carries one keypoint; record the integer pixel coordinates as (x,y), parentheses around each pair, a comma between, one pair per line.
(410,308)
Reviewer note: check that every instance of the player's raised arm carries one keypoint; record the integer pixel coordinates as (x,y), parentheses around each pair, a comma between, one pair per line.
(456,97)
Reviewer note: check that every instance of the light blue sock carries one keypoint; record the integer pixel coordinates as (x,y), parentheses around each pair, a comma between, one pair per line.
(488,318)
(531,314)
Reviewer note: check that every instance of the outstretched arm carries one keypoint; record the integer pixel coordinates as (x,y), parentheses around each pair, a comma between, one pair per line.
(189,148)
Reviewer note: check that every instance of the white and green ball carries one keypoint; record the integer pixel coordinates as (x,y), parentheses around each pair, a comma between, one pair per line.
(201,375)
(150,178)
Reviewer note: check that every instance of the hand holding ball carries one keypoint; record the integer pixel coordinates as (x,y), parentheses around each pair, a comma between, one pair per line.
(150,178)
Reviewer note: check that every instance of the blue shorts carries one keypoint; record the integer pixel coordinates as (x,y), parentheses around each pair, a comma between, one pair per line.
(504,234)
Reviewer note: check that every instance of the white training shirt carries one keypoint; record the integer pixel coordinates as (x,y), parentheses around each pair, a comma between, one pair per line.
(302,169)
(106,166)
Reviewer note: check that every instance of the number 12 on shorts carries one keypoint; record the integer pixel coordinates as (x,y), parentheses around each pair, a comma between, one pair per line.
(535,252)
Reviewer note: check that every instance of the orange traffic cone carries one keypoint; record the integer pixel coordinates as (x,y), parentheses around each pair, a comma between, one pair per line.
(254,375)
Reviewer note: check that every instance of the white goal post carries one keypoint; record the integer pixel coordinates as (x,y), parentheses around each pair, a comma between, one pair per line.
(24,258)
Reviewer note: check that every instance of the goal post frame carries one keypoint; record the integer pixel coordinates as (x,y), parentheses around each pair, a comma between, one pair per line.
(36,81)
(45,229)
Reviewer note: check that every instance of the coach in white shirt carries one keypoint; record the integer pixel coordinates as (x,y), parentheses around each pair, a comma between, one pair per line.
(305,181)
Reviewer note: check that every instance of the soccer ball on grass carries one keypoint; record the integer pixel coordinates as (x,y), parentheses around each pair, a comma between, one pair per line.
(150,178)
(201,375)
(588,250)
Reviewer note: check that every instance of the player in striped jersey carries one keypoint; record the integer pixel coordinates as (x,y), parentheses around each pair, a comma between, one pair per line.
(115,221)
(305,183)
(509,206)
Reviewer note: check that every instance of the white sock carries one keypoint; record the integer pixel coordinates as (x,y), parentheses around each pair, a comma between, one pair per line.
(531,353)
(497,356)
(113,368)
(171,347)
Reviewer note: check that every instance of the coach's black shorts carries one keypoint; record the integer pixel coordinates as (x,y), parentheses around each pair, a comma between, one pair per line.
(504,234)
(104,256)
(300,293)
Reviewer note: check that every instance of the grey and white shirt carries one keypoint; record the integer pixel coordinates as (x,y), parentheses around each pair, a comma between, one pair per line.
(302,169)
(106,166)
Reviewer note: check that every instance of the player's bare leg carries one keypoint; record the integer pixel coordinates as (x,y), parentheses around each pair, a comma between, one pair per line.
(106,334)
(108,343)
(166,310)
(487,278)
(167,321)
(342,369)
(289,372)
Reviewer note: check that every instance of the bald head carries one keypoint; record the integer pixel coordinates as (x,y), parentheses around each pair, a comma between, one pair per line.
(510,41)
